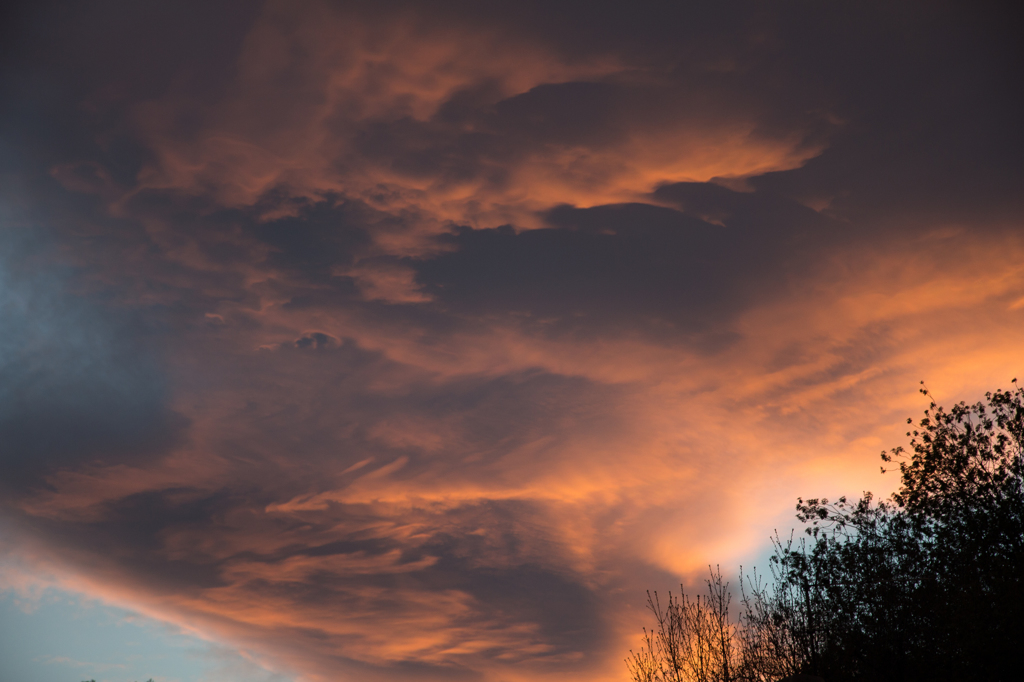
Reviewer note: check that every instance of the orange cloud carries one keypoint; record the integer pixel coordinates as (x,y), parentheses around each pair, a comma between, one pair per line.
(445,125)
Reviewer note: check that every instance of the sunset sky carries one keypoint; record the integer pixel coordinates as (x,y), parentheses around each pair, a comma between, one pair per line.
(413,341)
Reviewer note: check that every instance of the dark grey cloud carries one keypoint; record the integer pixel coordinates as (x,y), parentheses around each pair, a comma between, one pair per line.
(307,243)
(930,132)
(626,268)
(77,383)
(70,71)
(318,403)
(324,235)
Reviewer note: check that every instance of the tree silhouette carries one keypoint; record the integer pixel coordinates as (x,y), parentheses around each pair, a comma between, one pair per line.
(694,639)
(926,586)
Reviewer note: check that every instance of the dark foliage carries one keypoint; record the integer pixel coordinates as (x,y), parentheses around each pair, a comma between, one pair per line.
(927,586)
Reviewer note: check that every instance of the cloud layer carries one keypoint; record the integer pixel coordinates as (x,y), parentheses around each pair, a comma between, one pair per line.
(415,341)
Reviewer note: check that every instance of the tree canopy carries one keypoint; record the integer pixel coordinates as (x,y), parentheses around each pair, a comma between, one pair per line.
(926,586)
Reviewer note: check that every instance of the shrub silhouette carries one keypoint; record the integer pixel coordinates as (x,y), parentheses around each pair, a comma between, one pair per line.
(926,586)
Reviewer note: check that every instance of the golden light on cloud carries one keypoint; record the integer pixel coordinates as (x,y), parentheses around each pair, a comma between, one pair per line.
(382,113)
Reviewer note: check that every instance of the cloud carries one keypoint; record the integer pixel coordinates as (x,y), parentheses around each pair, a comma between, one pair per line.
(636,268)
(76,387)
(459,121)
(416,341)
